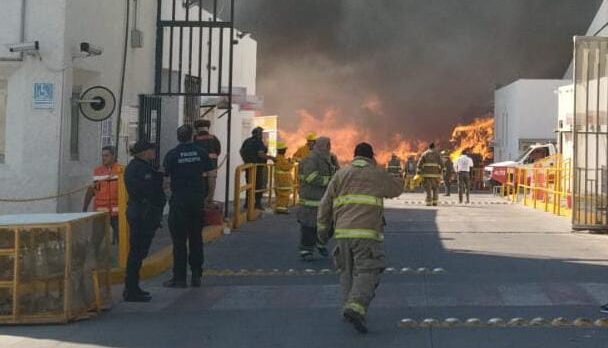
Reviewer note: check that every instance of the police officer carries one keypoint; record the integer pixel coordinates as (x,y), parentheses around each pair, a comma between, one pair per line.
(185,167)
(255,151)
(144,213)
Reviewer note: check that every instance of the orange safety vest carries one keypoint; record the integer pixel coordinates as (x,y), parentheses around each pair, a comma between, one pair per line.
(106,188)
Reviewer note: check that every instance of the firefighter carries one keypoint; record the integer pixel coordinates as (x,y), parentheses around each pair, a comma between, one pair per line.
(353,207)
(448,171)
(283,179)
(212,145)
(144,213)
(316,171)
(410,173)
(394,165)
(429,167)
(186,166)
(305,149)
(255,151)
(463,167)
(105,188)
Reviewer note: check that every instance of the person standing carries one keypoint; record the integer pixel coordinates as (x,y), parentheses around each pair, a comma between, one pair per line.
(448,171)
(463,167)
(353,206)
(394,165)
(144,185)
(316,171)
(105,188)
(283,178)
(305,150)
(254,151)
(211,144)
(410,173)
(185,167)
(429,167)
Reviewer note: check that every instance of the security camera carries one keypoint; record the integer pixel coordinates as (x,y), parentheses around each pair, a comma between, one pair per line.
(25,47)
(90,50)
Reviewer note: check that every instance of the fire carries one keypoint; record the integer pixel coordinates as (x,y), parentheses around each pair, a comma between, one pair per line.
(474,137)
(345,136)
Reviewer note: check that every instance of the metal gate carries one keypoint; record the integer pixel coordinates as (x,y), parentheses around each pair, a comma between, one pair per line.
(148,125)
(590,200)
(194,57)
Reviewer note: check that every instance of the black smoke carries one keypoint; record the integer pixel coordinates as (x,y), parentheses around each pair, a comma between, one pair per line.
(432,63)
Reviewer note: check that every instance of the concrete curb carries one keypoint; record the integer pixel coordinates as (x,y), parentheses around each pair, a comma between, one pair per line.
(161,261)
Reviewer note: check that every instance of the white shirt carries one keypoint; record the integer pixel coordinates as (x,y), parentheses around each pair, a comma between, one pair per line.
(464,163)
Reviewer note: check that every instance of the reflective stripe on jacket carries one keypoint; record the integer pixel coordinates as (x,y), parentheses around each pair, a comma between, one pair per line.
(106,188)
(429,165)
(282,173)
(353,202)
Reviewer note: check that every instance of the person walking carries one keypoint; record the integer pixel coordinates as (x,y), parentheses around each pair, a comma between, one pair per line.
(353,208)
(283,178)
(186,166)
(448,172)
(105,188)
(463,167)
(429,167)
(144,185)
(316,171)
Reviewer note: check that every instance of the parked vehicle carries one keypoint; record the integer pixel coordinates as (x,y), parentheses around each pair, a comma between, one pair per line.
(495,174)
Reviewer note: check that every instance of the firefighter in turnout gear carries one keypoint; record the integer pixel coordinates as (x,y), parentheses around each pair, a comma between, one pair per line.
(394,165)
(305,149)
(283,179)
(410,173)
(316,171)
(448,171)
(353,209)
(429,167)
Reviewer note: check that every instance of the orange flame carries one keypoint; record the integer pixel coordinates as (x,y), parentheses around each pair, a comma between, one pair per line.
(345,136)
(475,137)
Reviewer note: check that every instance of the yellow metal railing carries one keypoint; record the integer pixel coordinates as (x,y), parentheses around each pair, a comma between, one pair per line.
(123,224)
(546,185)
(249,170)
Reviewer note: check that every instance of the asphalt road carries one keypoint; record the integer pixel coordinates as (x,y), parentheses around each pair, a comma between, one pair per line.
(498,260)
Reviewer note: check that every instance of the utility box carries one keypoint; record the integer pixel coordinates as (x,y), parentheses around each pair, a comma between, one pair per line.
(54,268)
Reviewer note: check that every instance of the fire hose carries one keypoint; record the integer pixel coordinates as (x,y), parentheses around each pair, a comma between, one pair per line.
(44,198)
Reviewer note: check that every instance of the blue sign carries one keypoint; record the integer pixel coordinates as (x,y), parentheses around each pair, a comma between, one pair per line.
(43,96)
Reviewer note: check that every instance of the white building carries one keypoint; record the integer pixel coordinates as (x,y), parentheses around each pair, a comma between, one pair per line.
(53,150)
(525,114)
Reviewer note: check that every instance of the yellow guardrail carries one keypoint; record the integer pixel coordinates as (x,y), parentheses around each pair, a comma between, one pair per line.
(249,171)
(546,185)
(123,224)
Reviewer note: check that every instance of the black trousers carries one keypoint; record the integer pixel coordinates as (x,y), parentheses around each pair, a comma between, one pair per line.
(143,222)
(260,184)
(308,238)
(114,225)
(186,224)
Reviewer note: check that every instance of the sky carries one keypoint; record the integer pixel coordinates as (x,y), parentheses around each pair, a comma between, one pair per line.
(429,64)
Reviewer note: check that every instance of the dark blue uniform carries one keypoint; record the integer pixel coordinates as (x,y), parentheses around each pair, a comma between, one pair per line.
(144,213)
(250,153)
(185,165)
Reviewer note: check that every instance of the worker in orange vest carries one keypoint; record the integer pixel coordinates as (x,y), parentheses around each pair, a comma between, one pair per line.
(105,188)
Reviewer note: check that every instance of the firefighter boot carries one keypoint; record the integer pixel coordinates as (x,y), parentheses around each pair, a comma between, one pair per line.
(356,319)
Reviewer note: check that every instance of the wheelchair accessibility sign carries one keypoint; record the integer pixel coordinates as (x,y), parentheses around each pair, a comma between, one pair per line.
(43,95)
